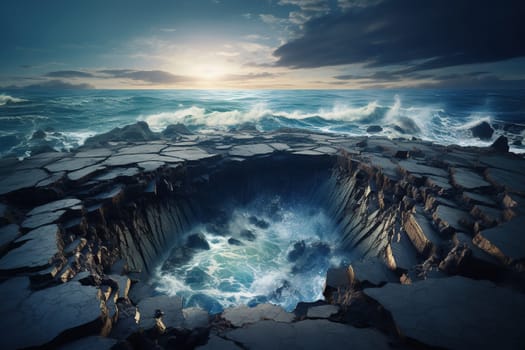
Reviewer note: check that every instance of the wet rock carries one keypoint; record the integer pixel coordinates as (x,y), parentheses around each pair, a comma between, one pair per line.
(233,241)
(204,302)
(468,179)
(482,131)
(8,233)
(248,235)
(38,135)
(68,310)
(297,251)
(130,133)
(56,205)
(431,312)
(128,319)
(195,317)
(500,145)
(260,223)
(309,334)
(38,220)
(242,315)
(178,256)
(370,273)
(189,154)
(71,164)
(506,241)
(21,179)
(142,149)
(402,154)
(38,248)
(174,130)
(250,150)
(170,306)
(197,241)
(322,311)
(374,129)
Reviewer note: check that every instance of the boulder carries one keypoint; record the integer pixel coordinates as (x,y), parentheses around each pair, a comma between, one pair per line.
(248,235)
(135,132)
(501,144)
(234,241)
(197,241)
(482,131)
(374,128)
(173,130)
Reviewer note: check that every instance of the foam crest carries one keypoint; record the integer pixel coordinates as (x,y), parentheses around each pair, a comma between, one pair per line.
(6,99)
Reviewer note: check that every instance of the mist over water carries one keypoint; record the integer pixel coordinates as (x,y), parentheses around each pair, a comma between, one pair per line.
(281,258)
(442,116)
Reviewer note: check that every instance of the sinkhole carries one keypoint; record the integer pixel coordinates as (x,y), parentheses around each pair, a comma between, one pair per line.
(264,231)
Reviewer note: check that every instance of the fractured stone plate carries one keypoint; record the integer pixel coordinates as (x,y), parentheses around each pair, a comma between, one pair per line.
(21,179)
(52,206)
(251,150)
(456,313)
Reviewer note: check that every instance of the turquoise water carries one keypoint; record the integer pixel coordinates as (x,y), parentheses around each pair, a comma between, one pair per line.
(284,263)
(442,116)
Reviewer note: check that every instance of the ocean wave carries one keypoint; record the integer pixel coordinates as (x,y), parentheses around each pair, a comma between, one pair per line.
(6,99)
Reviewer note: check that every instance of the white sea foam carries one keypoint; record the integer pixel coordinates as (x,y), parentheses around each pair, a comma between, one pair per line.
(5,99)
(238,274)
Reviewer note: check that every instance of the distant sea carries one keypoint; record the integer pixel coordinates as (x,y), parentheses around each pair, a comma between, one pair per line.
(64,119)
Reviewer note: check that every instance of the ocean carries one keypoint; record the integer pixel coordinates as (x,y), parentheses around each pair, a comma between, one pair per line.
(67,118)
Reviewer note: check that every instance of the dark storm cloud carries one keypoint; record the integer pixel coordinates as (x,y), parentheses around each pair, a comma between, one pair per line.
(69,74)
(58,85)
(425,34)
(147,76)
(468,81)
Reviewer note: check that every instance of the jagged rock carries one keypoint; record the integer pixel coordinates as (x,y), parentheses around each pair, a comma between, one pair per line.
(38,135)
(447,217)
(171,307)
(234,241)
(136,132)
(512,181)
(58,313)
(21,179)
(260,223)
(197,241)
(178,129)
(417,168)
(309,334)
(38,248)
(322,311)
(374,129)
(242,315)
(56,205)
(250,150)
(501,144)
(468,179)
(482,131)
(370,273)
(297,251)
(195,317)
(38,220)
(432,311)
(506,241)
(128,320)
(248,235)
(8,233)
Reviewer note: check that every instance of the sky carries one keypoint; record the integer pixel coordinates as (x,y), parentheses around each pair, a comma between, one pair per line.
(262,44)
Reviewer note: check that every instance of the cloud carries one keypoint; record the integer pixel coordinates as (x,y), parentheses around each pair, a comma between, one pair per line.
(308,5)
(69,74)
(473,80)
(249,76)
(421,34)
(58,85)
(147,76)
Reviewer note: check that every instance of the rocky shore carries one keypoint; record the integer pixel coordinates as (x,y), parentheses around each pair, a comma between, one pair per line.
(439,233)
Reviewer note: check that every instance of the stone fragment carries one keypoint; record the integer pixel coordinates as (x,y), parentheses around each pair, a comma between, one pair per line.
(94,152)
(279,146)
(72,163)
(151,165)
(468,179)
(142,149)
(370,273)
(322,311)
(21,179)
(117,172)
(38,318)
(432,311)
(250,150)
(242,315)
(305,335)
(8,233)
(417,168)
(501,144)
(189,154)
(197,241)
(36,253)
(85,173)
(446,217)
(506,241)
(56,205)
(170,306)
(37,220)
(482,131)
(513,182)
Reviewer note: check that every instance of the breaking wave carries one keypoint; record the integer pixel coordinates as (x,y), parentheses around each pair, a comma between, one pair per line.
(6,99)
